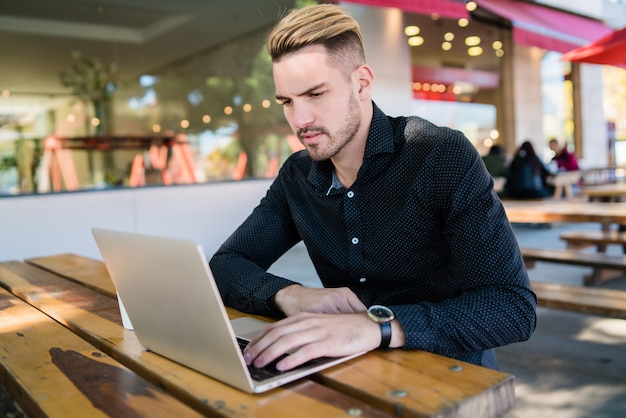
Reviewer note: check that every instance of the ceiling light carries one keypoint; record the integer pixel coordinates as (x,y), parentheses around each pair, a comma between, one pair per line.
(496,45)
(463,22)
(411,30)
(448,36)
(470,6)
(446,46)
(472,40)
(416,41)
(474,51)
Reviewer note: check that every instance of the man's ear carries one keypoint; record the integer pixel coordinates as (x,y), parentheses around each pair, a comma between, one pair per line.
(366,78)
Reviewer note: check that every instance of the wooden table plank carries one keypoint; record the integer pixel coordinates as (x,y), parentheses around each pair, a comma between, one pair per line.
(431,385)
(52,372)
(87,271)
(545,211)
(95,317)
(610,191)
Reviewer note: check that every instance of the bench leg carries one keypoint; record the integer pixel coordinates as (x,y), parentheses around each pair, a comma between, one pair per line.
(591,279)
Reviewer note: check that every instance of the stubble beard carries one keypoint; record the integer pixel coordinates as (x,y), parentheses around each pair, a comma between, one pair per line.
(335,142)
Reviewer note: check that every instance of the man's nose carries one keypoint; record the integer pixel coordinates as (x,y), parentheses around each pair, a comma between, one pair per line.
(302,115)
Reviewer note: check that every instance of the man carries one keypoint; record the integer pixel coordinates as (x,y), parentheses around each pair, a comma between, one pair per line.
(565,160)
(393,211)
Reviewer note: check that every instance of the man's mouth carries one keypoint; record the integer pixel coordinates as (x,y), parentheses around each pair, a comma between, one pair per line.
(310,137)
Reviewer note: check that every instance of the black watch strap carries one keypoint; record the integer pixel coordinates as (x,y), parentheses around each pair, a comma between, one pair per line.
(385,331)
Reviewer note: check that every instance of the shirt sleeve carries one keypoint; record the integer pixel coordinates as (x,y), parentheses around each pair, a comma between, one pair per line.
(240,264)
(496,305)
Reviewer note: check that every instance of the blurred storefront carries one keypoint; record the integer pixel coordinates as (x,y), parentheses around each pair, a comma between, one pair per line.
(493,69)
(490,68)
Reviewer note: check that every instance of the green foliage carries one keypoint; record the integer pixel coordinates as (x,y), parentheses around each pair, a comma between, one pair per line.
(90,79)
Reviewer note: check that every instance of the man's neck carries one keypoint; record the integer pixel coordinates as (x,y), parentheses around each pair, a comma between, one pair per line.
(349,160)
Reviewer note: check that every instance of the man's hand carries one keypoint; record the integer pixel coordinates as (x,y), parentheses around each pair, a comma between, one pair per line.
(295,298)
(307,336)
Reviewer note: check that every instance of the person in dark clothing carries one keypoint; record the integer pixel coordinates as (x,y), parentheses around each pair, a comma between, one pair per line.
(495,161)
(398,216)
(528,175)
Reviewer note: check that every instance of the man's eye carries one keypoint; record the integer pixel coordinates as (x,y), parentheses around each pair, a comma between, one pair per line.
(283,102)
(316,94)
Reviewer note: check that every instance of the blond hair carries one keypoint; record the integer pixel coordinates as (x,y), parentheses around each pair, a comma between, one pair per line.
(324,24)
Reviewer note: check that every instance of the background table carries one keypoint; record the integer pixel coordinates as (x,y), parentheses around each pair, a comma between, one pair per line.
(544,211)
(610,192)
(66,353)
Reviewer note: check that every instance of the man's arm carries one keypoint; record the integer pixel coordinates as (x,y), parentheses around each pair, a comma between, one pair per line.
(240,264)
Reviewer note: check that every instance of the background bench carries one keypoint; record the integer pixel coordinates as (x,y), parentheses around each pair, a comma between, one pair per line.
(597,261)
(577,240)
(592,301)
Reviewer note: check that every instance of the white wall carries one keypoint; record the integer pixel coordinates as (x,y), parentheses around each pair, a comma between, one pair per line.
(594,124)
(527,96)
(39,225)
(388,53)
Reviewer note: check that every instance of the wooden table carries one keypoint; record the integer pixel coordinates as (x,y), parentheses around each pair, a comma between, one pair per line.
(605,214)
(64,353)
(545,211)
(610,192)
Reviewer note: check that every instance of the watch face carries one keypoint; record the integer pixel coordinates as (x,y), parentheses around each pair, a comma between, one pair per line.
(380,313)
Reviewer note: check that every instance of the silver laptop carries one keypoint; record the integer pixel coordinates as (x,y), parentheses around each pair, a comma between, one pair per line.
(173,303)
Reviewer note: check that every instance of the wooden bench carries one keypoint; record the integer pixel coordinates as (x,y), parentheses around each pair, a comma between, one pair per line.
(577,240)
(592,301)
(597,261)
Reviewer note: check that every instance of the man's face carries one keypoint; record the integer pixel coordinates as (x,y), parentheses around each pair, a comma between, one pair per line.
(320,101)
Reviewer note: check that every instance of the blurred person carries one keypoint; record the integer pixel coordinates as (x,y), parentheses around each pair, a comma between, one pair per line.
(565,160)
(399,217)
(495,161)
(528,176)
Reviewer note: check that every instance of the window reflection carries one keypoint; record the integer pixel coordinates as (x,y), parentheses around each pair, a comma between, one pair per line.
(110,118)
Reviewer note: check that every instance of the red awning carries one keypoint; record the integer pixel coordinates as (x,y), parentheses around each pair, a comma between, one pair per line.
(610,50)
(445,8)
(544,27)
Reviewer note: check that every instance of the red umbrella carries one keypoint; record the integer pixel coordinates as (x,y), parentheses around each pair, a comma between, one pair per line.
(610,50)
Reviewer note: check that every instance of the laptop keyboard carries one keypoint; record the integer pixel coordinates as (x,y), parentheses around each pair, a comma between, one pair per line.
(261,373)
(270,370)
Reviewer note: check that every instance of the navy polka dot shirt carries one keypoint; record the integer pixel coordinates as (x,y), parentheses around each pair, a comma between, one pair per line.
(421,231)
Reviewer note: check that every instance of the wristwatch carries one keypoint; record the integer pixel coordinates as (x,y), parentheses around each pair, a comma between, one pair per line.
(383,315)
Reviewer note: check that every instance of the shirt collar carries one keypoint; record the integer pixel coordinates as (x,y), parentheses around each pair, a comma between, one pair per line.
(379,140)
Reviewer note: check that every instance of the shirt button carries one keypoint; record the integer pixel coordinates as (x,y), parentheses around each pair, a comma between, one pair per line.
(355,240)
(362,279)
(350,193)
